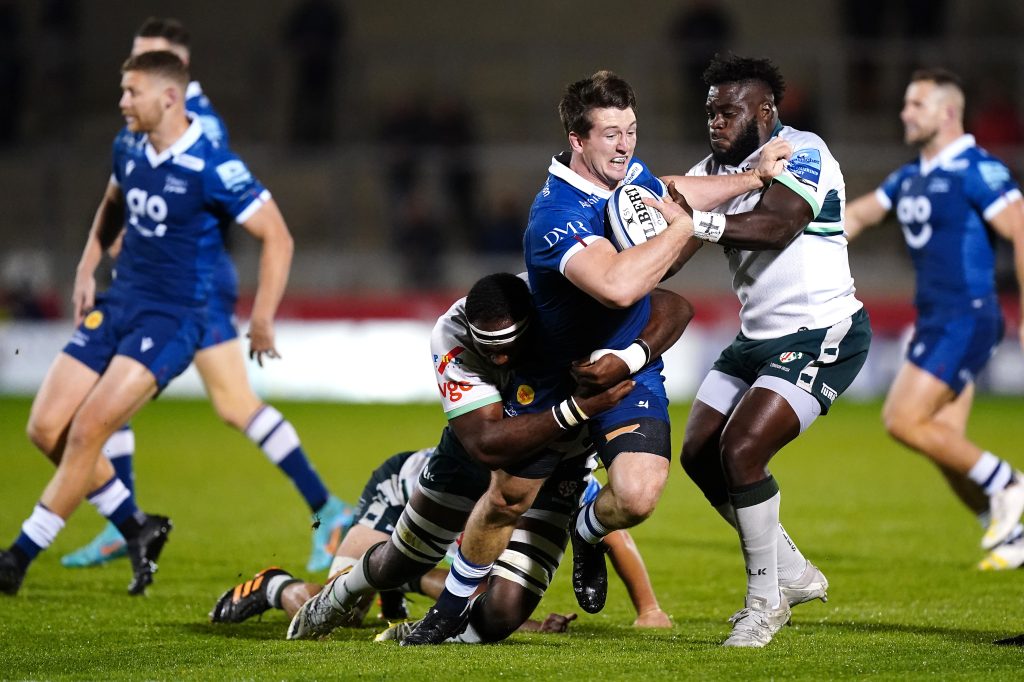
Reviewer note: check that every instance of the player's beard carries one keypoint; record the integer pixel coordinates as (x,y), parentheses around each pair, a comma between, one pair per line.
(746,144)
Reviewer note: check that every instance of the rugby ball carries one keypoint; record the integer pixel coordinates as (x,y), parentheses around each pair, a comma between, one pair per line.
(630,220)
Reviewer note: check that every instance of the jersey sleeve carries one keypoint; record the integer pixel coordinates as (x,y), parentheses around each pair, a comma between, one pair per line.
(808,171)
(886,192)
(990,187)
(233,189)
(556,235)
(461,389)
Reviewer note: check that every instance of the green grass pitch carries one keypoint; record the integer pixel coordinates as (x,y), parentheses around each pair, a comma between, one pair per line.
(905,600)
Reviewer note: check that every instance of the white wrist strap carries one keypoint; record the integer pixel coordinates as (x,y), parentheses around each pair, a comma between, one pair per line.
(633,355)
(708,226)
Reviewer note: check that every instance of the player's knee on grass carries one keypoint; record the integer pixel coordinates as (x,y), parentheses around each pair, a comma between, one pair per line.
(502,609)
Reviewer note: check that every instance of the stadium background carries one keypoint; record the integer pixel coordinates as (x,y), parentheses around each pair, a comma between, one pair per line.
(405,140)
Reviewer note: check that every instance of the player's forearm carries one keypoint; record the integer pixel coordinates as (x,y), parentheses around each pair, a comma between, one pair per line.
(635,272)
(629,566)
(504,442)
(862,213)
(670,314)
(757,230)
(706,193)
(275,264)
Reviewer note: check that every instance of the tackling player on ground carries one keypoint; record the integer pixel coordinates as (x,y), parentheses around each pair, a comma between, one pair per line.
(219,361)
(950,204)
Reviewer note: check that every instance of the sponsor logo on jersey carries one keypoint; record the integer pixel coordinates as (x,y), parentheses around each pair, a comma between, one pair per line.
(635,169)
(233,174)
(938,186)
(994,174)
(829,392)
(173,185)
(805,166)
(193,163)
(93,320)
(146,344)
(790,356)
(129,167)
(646,404)
(448,358)
(572,229)
(525,394)
(454,390)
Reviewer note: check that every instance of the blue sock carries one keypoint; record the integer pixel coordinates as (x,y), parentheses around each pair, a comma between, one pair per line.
(113,501)
(280,443)
(27,548)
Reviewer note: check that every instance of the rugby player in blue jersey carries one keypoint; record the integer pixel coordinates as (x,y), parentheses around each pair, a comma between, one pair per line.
(951,203)
(221,366)
(175,188)
(588,294)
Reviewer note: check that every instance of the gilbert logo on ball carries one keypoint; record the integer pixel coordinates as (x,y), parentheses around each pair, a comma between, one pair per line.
(630,220)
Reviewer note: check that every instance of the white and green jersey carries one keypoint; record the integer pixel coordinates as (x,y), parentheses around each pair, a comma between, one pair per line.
(808,284)
(466,380)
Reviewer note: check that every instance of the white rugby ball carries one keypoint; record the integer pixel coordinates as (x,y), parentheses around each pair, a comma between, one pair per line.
(630,220)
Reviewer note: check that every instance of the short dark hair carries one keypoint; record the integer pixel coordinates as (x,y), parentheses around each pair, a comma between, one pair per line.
(172,30)
(734,69)
(497,297)
(159,63)
(603,90)
(937,75)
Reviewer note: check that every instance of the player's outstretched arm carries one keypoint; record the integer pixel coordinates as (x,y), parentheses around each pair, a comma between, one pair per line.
(497,441)
(268,225)
(778,218)
(106,226)
(704,193)
(630,566)
(861,213)
(1009,223)
(670,314)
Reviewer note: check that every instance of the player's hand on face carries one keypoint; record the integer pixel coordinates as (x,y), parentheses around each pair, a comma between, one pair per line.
(83,296)
(557,623)
(655,618)
(596,404)
(773,159)
(593,377)
(261,341)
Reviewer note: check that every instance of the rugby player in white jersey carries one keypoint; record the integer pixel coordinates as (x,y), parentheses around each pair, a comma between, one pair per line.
(803,338)
(476,346)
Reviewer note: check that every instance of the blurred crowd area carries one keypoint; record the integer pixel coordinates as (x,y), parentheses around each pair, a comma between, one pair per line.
(405,141)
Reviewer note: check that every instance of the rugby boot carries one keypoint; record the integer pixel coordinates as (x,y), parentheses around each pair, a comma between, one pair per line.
(247,599)
(144,550)
(589,572)
(756,623)
(11,573)
(106,546)
(330,523)
(436,628)
(811,584)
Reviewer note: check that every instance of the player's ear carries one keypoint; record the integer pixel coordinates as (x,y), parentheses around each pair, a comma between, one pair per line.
(575,142)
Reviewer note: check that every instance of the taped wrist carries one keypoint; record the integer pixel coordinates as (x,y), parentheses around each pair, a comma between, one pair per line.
(568,414)
(708,226)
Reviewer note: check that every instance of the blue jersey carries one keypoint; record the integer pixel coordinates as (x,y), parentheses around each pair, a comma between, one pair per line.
(199,104)
(567,215)
(225,283)
(943,206)
(176,204)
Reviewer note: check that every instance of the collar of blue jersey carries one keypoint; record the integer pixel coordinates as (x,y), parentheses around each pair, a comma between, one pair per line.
(947,154)
(191,136)
(193,90)
(563,172)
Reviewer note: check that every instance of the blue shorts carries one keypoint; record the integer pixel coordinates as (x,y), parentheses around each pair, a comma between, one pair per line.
(162,338)
(955,349)
(220,320)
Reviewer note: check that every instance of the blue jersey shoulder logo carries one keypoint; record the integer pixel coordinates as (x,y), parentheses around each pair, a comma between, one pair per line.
(633,173)
(806,166)
(233,173)
(993,173)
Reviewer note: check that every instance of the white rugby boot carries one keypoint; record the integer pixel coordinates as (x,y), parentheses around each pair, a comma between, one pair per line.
(755,624)
(1006,508)
(811,584)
